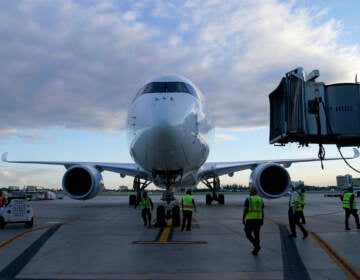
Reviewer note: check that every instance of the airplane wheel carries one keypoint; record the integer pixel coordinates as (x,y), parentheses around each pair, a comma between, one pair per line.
(132,199)
(160,216)
(176,216)
(208,199)
(221,199)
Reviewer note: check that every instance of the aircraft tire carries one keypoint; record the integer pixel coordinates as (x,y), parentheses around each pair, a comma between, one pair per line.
(208,199)
(160,216)
(132,199)
(221,199)
(176,216)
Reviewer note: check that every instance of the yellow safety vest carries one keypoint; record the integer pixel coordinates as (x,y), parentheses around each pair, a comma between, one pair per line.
(302,198)
(187,202)
(346,201)
(145,203)
(255,208)
(293,202)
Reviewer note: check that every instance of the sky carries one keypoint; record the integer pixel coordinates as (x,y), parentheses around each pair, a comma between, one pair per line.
(69,70)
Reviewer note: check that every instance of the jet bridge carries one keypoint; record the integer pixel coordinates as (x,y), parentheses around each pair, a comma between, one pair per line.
(305,111)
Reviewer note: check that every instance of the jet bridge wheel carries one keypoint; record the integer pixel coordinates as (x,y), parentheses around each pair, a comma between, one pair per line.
(208,199)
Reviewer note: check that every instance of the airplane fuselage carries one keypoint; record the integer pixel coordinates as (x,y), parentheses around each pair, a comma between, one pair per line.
(168,130)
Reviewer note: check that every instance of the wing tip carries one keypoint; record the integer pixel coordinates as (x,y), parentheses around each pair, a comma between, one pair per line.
(4,156)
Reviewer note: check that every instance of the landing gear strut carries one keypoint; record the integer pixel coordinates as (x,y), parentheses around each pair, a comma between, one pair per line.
(168,212)
(139,187)
(214,185)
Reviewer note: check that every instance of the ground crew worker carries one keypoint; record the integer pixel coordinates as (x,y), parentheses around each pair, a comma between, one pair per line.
(302,200)
(253,219)
(294,214)
(350,207)
(146,207)
(187,204)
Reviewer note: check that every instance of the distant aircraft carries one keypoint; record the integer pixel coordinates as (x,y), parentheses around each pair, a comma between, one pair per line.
(169,135)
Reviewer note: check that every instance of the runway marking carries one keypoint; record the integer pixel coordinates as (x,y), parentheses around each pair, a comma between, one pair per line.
(169,242)
(12,269)
(340,261)
(165,232)
(294,267)
(22,234)
(344,265)
(165,235)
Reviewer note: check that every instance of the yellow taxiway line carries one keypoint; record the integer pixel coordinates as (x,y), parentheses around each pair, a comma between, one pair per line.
(341,262)
(22,234)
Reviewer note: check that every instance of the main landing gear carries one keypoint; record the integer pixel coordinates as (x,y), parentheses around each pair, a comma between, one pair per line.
(214,185)
(139,187)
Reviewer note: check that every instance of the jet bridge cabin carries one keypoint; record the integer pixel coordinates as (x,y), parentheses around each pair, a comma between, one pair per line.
(305,111)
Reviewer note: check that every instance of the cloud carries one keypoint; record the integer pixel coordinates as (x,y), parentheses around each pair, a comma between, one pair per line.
(224,137)
(77,65)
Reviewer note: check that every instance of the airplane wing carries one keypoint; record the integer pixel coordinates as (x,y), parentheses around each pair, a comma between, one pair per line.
(212,169)
(130,169)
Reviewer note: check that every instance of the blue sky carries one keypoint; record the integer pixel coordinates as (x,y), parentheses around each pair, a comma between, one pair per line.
(69,69)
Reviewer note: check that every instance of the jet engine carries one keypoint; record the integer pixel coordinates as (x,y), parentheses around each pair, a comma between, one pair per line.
(271,180)
(82,182)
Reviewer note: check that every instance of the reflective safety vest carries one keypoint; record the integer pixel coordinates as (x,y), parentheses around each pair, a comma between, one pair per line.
(255,208)
(293,201)
(145,203)
(187,202)
(302,198)
(346,201)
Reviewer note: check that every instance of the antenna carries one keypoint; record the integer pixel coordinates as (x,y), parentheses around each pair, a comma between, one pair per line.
(356,81)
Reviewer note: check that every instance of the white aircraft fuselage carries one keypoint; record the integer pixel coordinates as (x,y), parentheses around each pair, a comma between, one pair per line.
(168,130)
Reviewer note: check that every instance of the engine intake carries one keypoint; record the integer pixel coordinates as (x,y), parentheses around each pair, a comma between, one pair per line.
(271,180)
(82,182)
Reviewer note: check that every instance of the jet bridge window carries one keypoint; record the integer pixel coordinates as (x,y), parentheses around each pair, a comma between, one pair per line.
(164,87)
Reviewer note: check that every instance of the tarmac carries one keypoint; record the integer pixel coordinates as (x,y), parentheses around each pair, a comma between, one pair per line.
(104,238)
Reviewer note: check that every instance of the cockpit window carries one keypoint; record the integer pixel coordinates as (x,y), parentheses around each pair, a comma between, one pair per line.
(163,87)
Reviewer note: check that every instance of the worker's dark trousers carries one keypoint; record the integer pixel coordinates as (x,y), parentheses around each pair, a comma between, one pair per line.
(252,231)
(294,220)
(146,213)
(302,216)
(349,212)
(187,216)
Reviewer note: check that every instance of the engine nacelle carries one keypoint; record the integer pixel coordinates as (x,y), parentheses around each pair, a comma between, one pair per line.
(82,182)
(271,180)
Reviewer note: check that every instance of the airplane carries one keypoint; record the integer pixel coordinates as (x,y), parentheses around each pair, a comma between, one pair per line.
(169,135)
